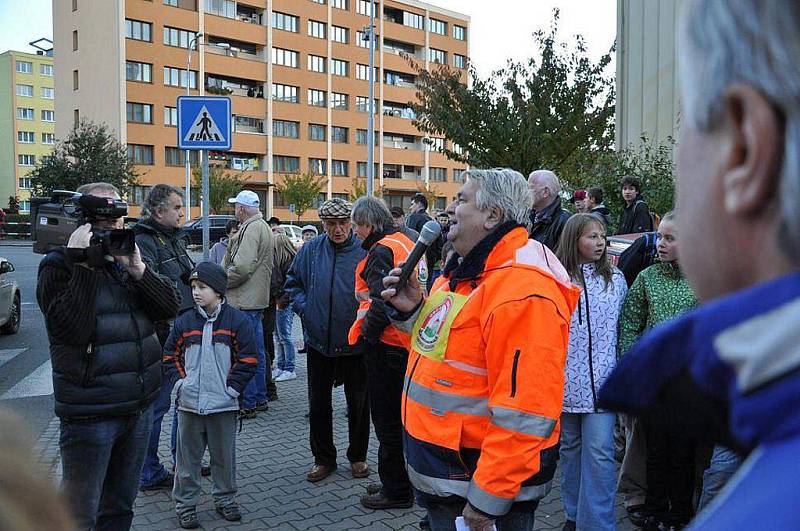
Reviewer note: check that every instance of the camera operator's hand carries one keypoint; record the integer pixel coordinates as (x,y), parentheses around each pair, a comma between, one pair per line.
(81,237)
(133,264)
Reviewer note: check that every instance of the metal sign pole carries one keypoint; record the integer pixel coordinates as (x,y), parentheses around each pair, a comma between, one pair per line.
(206,236)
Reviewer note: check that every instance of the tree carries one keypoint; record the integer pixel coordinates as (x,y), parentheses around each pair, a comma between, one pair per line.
(430,192)
(222,185)
(301,190)
(89,154)
(544,113)
(13,205)
(358,188)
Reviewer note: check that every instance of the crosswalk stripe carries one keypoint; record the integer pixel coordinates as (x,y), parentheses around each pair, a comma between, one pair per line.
(37,383)
(10,354)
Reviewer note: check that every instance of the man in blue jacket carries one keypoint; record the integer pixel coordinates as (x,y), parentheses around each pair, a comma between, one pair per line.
(730,370)
(321,286)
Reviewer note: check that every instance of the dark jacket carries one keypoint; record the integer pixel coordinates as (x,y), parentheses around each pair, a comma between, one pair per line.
(164,249)
(603,212)
(547,224)
(415,222)
(635,218)
(105,354)
(215,356)
(321,287)
(380,261)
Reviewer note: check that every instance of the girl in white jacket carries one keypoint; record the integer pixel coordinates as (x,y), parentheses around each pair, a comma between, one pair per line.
(587,433)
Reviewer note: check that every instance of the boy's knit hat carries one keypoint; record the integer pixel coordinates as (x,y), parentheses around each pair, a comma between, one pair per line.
(212,275)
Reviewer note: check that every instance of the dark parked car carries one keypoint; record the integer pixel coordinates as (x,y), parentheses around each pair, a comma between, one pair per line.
(216,230)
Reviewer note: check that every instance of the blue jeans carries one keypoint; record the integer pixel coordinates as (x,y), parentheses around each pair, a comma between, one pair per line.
(442,517)
(588,470)
(724,464)
(153,471)
(284,348)
(101,461)
(256,391)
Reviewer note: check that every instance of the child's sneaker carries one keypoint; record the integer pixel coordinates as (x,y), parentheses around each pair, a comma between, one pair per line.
(188,520)
(286,375)
(276,372)
(230,513)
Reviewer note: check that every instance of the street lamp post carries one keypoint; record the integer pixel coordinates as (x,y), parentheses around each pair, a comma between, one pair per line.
(369,33)
(192,44)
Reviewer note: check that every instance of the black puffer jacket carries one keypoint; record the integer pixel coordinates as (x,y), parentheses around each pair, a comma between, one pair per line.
(635,218)
(105,354)
(164,249)
(546,226)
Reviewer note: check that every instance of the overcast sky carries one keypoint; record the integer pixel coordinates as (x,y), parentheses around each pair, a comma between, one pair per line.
(500,29)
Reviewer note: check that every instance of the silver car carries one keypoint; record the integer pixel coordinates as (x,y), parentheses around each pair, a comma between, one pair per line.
(10,307)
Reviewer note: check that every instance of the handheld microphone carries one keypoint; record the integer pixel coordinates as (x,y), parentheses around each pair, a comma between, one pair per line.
(430,231)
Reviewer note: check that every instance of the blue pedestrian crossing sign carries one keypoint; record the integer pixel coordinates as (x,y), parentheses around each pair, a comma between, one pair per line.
(204,122)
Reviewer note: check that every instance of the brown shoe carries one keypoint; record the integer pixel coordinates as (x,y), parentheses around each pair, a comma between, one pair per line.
(360,469)
(319,472)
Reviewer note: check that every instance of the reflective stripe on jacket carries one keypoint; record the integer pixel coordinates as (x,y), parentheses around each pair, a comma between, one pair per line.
(400,246)
(484,423)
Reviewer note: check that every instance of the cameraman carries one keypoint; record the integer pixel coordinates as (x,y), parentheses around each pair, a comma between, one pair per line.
(99,312)
(163,248)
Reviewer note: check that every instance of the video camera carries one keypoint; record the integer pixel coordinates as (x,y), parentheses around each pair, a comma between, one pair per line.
(55,218)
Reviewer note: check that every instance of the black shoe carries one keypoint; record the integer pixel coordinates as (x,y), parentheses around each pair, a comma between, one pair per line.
(205,471)
(653,524)
(379,501)
(164,484)
(637,515)
(230,513)
(188,520)
(263,406)
(273,397)
(569,525)
(425,523)
(374,488)
(302,350)
(248,413)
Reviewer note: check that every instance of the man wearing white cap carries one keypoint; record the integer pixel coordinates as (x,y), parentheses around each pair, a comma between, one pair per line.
(248,263)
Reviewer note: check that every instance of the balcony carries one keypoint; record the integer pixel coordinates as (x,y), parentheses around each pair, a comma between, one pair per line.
(234,86)
(237,161)
(401,171)
(248,124)
(398,110)
(238,49)
(399,79)
(398,141)
(402,49)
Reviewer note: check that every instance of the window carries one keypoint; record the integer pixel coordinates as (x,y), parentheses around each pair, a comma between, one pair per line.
(171,116)
(458,175)
(26,137)
(248,124)
(76,79)
(48,116)
(140,113)
(142,72)
(459,61)
(46,70)
(412,20)
(339,101)
(436,144)
(438,56)
(339,67)
(48,138)
(362,72)
(437,26)
(285,22)
(48,93)
(459,32)
(24,113)
(177,157)
(223,8)
(285,93)
(319,2)
(339,4)
(176,77)
(283,57)
(138,30)
(340,168)
(361,169)
(74,5)
(317,98)
(362,104)
(26,160)
(361,136)
(140,154)
(24,67)
(285,164)
(316,132)
(318,166)
(363,7)
(340,34)
(316,29)
(340,135)
(316,63)
(25,90)
(362,40)
(286,129)
(173,3)
(438,174)
(178,37)
(25,182)
(76,117)
(74,40)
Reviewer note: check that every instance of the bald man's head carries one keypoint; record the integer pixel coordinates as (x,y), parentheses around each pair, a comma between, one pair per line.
(545,188)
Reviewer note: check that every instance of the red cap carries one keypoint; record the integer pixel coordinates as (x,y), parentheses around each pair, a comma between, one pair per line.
(578,195)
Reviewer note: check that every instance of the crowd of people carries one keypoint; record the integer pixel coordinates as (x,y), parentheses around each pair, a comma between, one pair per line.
(515,348)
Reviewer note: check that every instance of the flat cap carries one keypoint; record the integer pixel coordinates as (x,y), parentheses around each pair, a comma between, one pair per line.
(335,209)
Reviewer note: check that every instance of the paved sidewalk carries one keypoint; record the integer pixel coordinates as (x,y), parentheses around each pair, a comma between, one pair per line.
(273,458)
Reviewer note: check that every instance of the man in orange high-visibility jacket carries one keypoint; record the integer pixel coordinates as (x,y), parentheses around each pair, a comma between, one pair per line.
(386,352)
(485,378)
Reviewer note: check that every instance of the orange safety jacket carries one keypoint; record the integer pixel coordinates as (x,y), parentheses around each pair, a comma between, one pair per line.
(401,247)
(483,423)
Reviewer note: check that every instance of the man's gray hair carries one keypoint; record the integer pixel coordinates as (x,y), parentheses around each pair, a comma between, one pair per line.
(753,42)
(89,188)
(158,199)
(505,189)
(373,212)
(549,180)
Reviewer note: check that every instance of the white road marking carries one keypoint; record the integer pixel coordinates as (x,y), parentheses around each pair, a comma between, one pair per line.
(37,383)
(10,354)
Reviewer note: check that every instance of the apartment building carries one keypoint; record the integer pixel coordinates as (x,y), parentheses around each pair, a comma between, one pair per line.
(27,120)
(296,72)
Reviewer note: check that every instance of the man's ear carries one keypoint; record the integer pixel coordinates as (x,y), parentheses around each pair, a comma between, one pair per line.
(754,135)
(494,219)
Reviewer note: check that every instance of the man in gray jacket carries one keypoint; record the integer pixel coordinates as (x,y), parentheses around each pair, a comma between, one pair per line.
(248,264)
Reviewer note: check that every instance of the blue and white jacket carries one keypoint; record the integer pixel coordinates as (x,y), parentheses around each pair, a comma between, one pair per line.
(592,351)
(729,368)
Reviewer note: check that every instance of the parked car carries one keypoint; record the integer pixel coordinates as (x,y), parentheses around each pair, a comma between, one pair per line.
(194,229)
(294,233)
(10,302)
